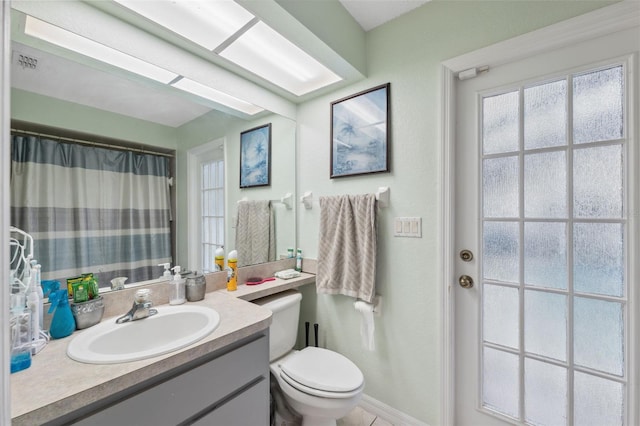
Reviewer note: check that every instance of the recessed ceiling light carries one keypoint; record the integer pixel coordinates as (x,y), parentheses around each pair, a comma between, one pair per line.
(68,40)
(227,29)
(207,23)
(207,92)
(268,54)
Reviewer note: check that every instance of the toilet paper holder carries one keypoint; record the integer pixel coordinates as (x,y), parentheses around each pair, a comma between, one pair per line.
(376,305)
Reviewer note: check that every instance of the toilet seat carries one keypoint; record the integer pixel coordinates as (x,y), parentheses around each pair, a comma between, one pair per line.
(322,373)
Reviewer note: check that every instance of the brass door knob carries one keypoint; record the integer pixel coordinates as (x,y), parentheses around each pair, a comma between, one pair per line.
(465,281)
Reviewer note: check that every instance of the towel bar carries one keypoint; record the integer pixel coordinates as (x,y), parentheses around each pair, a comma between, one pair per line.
(382,195)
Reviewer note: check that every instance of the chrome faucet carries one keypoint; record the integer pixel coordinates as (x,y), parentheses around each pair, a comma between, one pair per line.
(141,307)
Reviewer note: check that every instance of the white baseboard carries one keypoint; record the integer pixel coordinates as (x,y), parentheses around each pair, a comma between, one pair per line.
(388,413)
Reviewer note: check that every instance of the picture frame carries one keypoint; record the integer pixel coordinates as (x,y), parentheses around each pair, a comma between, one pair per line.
(255,157)
(360,129)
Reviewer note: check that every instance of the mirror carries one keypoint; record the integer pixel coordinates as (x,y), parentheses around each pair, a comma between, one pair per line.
(78,95)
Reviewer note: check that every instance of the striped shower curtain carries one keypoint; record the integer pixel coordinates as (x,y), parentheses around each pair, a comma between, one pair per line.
(91,209)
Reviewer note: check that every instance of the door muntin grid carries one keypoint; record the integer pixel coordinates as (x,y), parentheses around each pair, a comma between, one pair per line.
(554,298)
(212,215)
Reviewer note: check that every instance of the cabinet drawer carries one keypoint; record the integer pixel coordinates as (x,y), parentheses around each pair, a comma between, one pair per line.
(180,397)
(249,408)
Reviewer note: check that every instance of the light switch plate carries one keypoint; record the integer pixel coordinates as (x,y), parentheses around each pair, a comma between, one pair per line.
(408,227)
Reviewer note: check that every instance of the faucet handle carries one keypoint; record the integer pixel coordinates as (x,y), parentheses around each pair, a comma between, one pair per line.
(143,295)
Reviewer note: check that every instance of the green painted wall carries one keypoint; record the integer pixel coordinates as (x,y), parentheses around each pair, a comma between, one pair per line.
(404,371)
(33,108)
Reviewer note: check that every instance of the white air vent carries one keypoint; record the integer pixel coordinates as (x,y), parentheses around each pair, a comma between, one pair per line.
(25,61)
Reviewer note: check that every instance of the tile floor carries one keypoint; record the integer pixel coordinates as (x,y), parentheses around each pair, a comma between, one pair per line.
(360,417)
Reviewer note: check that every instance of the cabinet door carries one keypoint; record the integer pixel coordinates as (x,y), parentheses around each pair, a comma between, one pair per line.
(249,408)
(183,396)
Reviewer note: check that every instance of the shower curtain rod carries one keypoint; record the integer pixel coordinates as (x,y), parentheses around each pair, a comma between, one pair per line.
(93,143)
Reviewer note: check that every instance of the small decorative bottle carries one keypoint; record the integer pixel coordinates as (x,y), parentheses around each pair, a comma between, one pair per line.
(299,260)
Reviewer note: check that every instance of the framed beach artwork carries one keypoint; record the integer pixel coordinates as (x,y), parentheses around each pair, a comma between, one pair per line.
(360,133)
(255,157)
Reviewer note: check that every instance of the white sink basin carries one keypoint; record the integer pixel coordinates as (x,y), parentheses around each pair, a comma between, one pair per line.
(172,328)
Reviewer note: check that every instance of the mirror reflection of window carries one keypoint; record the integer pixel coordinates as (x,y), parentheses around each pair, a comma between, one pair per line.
(212,219)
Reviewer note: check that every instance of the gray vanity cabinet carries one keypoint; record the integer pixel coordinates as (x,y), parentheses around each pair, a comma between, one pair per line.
(229,388)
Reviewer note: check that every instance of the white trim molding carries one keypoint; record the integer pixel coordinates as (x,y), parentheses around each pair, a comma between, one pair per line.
(388,413)
(5,155)
(607,20)
(618,17)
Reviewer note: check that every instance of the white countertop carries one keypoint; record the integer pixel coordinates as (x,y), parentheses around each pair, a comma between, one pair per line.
(253,292)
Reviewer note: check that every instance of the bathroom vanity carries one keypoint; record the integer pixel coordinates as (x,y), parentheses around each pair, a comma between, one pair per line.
(202,383)
(221,379)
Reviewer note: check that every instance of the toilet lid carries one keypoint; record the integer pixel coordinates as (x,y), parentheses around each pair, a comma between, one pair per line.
(324,370)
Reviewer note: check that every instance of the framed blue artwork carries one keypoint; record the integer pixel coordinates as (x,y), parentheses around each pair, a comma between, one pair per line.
(360,133)
(255,157)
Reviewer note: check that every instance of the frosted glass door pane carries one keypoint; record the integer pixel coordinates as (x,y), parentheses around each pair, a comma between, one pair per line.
(501,251)
(599,258)
(545,115)
(545,324)
(500,187)
(500,123)
(597,106)
(597,187)
(219,202)
(545,185)
(500,310)
(545,254)
(545,393)
(598,335)
(598,401)
(501,381)
(205,174)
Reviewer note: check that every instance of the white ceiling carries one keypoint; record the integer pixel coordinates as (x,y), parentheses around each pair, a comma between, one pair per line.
(372,13)
(62,78)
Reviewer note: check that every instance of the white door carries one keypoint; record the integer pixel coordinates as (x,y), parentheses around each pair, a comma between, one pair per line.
(545,200)
(206,195)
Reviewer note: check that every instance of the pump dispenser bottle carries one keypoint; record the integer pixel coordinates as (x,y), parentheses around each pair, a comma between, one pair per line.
(177,296)
(232,261)
(167,271)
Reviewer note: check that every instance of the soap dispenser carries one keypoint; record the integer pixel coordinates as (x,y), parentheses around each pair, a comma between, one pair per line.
(177,296)
(167,271)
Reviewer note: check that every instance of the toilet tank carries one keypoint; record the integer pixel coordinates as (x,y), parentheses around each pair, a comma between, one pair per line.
(283,331)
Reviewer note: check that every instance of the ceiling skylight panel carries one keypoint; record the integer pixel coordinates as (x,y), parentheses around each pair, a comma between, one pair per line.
(207,92)
(269,55)
(68,40)
(205,22)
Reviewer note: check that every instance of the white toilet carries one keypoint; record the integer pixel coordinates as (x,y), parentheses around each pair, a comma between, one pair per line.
(321,385)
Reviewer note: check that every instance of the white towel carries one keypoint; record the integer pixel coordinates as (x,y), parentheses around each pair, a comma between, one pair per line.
(255,233)
(347,247)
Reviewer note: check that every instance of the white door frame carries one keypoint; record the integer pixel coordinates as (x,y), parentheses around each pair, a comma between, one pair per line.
(618,17)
